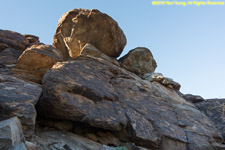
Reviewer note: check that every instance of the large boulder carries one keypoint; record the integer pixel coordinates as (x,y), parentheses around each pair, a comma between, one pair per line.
(11,39)
(139,60)
(11,135)
(215,110)
(35,62)
(80,26)
(18,98)
(103,95)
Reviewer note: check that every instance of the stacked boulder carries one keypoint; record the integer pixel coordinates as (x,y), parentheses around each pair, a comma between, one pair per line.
(77,95)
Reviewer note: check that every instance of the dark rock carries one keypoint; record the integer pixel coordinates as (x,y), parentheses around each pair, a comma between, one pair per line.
(80,26)
(35,62)
(103,95)
(11,135)
(10,39)
(33,40)
(139,60)
(193,98)
(18,98)
(215,110)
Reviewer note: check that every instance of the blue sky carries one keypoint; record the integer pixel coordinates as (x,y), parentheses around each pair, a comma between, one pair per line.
(188,43)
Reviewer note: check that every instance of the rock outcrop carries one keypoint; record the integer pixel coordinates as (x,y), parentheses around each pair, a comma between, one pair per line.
(11,135)
(106,96)
(18,98)
(139,60)
(80,26)
(85,99)
(215,110)
(35,62)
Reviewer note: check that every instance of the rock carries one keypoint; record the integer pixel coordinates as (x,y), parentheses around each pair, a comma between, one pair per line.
(10,39)
(11,135)
(35,62)
(108,138)
(139,60)
(109,97)
(215,110)
(80,26)
(158,77)
(18,98)
(33,40)
(8,59)
(55,140)
(64,125)
(170,144)
(193,98)
(91,51)
(217,146)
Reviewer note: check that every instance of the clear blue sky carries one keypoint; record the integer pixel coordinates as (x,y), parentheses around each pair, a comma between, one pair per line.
(188,43)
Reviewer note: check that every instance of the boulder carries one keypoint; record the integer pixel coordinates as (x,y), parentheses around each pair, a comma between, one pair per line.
(18,98)
(215,110)
(139,60)
(8,59)
(80,26)
(109,97)
(35,62)
(11,135)
(158,77)
(10,39)
(193,98)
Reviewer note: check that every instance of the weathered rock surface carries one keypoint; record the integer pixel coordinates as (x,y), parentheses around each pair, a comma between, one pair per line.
(35,62)
(193,98)
(158,77)
(33,40)
(215,110)
(103,95)
(18,98)
(91,51)
(80,26)
(11,135)
(8,59)
(10,39)
(139,60)
(55,140)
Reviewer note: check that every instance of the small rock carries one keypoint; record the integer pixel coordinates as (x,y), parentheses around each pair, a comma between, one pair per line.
(80,26)
(193,98)
(92,136)
(11,135)
(139,60)
(108,138)
(64,125)
(35,62)
(32,39)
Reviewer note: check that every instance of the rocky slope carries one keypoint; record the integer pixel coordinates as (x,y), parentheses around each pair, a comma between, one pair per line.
(75,95)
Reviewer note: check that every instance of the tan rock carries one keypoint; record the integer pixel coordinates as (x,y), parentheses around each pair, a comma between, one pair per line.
(80,26)
(35,62)
(64,125)
(139,60)
(92,136)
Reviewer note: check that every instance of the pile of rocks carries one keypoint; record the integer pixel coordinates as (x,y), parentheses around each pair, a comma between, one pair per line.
(77,95)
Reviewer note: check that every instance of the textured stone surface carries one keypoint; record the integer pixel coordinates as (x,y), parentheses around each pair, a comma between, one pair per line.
(158,77)
(106,96)
(139,60)
(32,39)
(54,140)
(8,59)
(35,62)
(10,39)
(11,135)
(80,26)
(18,98)
(193,98)
(215,110)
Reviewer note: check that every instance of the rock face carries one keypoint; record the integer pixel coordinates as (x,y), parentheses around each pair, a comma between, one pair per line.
(18,98)
(10,39)
(215,110)
(80,26)
(139,60)
(11,135)
(35,62)
(158,77)
(106,96)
